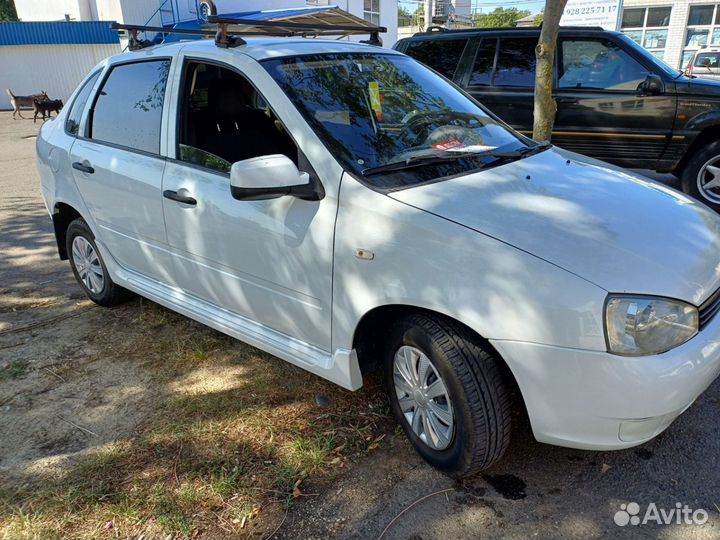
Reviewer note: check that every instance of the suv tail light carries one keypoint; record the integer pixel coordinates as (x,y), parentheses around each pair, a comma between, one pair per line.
(689,68)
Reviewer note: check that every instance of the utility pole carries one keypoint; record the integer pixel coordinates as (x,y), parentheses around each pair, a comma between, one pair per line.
(429,11)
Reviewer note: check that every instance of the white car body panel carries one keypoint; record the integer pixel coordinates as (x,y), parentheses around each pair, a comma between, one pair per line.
(526,263)
(592,221)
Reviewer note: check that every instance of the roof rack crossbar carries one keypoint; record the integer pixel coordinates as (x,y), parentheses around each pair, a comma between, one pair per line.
(309,27)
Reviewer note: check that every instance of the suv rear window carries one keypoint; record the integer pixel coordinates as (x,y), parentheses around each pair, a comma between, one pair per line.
(128,110)
(708,59)
(443,55)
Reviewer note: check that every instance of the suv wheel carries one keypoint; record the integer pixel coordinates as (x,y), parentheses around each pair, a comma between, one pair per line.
(701,176)
(448,393)
(89,268)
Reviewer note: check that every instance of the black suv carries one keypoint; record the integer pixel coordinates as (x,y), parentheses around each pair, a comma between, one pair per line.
(615,101)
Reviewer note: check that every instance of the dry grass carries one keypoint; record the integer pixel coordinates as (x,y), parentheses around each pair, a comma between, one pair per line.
(225,451)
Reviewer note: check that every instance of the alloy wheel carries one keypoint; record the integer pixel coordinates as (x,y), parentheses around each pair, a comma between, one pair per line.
(708,180)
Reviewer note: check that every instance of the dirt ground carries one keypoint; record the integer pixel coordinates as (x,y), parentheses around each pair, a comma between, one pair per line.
(136,421)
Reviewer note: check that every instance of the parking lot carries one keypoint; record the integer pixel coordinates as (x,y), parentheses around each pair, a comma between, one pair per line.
(136,421)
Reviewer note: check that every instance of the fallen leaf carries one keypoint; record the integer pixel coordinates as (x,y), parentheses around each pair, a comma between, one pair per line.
(605,468)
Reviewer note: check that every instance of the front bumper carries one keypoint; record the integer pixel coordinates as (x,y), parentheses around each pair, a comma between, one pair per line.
(598,401)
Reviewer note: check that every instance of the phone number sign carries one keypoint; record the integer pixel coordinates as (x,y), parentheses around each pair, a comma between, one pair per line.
(603,13)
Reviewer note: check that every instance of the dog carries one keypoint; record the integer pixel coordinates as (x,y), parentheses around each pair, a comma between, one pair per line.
(24,101)
(46,106)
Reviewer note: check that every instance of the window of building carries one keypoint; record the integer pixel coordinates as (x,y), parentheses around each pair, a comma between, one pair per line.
(128,110)
(648,27)
(371,11)
(703,29)
(442,55)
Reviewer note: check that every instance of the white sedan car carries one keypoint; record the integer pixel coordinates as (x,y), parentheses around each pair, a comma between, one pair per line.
(347,209)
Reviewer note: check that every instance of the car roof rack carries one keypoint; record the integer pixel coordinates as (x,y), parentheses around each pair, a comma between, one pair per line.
(228,30)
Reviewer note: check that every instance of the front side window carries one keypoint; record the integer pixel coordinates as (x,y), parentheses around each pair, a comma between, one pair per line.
(128,109)
(74,116)
(516,63)
(223,119)
(375,111)
(598,64)
(443,55)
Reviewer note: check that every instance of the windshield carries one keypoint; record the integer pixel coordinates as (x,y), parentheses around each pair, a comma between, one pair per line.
(373,110)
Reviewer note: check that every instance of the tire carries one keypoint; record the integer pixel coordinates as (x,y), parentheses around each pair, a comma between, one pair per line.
(695,175)
(89,268)
(477,396)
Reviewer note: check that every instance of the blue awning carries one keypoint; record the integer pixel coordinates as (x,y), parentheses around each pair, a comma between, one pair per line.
(57,33)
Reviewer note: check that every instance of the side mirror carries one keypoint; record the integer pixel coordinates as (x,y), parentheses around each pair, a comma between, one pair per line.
(269,177)
(651,86)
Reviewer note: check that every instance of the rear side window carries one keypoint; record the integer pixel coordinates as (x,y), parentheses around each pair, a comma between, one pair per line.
(128,110)
(443,55)
(516,62)
(484,62)
(72,123)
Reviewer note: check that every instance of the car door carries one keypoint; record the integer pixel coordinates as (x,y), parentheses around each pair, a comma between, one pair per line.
(269,262)
(118,167)
(502,78)
(603,111)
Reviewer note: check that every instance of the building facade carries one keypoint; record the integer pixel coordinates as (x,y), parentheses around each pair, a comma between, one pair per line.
(672,31)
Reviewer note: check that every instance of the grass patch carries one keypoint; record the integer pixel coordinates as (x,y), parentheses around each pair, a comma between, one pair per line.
(231,436)
(14,370)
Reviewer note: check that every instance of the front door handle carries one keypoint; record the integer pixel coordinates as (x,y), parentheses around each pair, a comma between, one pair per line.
(84,167)
(566,100)
(180,196)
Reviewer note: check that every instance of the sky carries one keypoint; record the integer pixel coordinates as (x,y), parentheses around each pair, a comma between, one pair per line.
(534,6)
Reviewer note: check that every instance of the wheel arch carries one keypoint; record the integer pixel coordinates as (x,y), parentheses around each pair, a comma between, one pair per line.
(63,215)
(707,135)
(374,326)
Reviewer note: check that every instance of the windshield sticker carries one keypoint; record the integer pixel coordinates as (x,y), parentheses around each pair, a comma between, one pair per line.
(376,99)
(333,117)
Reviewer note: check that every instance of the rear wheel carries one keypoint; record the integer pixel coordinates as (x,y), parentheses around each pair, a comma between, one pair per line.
(448,393)
(88,266)
(701,176)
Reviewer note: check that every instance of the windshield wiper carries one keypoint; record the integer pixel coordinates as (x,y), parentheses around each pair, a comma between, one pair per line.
(517,154)
(418,161)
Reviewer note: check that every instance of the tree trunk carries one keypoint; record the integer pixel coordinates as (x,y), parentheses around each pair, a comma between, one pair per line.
(545,106)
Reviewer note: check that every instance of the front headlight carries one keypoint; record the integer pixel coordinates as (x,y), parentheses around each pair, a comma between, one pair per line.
(638,326)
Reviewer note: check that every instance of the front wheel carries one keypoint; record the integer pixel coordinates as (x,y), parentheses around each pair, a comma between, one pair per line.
(447,391)
(701,176)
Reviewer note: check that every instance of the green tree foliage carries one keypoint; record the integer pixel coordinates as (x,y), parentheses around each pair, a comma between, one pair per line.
(7,11)
(500,17)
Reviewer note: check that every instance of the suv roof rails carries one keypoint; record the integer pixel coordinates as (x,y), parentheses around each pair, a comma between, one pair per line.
(227,30)
(441,30)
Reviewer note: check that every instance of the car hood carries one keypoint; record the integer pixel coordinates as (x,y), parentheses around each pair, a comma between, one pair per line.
(698,85)
(620,231)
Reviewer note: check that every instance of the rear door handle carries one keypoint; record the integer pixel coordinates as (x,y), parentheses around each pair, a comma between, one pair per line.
(566,100)
(84,167)
(180,196)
